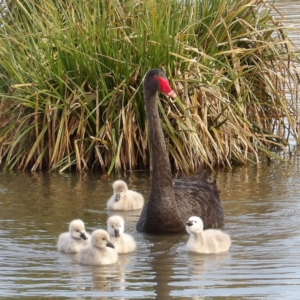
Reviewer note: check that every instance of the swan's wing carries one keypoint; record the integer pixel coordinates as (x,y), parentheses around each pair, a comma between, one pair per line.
(200,174)
(199,198)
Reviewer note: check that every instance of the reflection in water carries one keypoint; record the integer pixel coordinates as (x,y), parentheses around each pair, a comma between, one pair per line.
(261,206)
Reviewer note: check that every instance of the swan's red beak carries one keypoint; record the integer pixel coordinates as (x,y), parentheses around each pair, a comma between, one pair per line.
(165,88)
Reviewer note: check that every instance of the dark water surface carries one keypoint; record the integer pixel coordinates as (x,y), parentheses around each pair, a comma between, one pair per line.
(262,206)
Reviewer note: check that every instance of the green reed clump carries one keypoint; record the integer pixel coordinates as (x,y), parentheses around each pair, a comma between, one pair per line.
(71,83)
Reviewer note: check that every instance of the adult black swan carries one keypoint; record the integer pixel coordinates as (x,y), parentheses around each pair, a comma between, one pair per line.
(172,202)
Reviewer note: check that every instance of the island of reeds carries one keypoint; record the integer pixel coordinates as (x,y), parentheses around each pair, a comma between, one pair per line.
(71,74)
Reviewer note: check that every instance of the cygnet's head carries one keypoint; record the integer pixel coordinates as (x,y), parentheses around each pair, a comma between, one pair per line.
(77,230)
(194,224)
(115,225)
(100,239)
(120,189)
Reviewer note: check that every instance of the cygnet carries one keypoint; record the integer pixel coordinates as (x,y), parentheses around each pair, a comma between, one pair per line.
(100,251)
(123,198)
(123,242)
(205,241)
(73,240)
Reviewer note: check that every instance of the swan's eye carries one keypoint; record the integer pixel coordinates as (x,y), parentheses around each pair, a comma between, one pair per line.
(155,77)
(77,230)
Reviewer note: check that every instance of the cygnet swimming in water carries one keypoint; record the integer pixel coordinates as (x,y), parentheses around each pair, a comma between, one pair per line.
(123,242)
(100,251)
(73,240)
(123,198)
(205,241)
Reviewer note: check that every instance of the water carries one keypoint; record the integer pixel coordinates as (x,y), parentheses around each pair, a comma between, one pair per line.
(289,9)
(262,217)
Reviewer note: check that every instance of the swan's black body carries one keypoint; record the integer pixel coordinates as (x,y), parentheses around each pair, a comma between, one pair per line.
(172,202)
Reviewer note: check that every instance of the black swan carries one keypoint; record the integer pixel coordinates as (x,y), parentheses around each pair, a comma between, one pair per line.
(172,202)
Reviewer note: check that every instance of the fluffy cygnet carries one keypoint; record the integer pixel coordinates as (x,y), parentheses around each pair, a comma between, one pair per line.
(100,251)
(123,242)
(205,241)
(73,240)
(123,198)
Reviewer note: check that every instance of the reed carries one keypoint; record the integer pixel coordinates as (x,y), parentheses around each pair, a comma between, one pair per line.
(71,83)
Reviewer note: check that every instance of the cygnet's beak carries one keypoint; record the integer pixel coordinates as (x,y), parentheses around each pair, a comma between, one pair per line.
(189,223)
(83,236)
(118,196)
(116,232)
(109,244)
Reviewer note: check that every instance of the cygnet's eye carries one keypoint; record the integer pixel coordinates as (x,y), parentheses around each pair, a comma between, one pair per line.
(77,230)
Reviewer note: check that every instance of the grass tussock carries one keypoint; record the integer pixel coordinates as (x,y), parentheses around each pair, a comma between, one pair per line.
(71,83)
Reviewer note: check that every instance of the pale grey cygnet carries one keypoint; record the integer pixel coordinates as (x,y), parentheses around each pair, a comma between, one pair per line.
(73,240)
(123,242)
(99,252)
(124,198)
(205,241)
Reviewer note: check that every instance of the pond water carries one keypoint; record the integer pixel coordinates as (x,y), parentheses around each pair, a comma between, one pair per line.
(290,9)
(261,204)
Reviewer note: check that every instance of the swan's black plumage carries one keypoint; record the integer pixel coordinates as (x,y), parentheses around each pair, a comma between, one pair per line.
(172,202)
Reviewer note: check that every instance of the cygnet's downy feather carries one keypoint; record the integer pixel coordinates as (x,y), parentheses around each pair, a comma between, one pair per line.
(123,242)
(205,241)
(73,240)
(123,198)
(99,252)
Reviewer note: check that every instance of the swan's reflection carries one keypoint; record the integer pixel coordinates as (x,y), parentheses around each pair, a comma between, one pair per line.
(199,263)
(170,261)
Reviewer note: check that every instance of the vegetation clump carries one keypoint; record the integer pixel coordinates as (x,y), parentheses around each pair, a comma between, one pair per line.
(71,72)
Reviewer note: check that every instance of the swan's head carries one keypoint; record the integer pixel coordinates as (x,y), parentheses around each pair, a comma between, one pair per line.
(120,188)
(77,230)
(194,224)
(115,225)
(156,80)
(100,239)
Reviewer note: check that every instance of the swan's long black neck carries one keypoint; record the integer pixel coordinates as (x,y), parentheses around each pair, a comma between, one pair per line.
(161,213)
(162,181)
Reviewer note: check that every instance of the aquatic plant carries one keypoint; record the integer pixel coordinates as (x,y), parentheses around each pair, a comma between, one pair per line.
(71,73)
